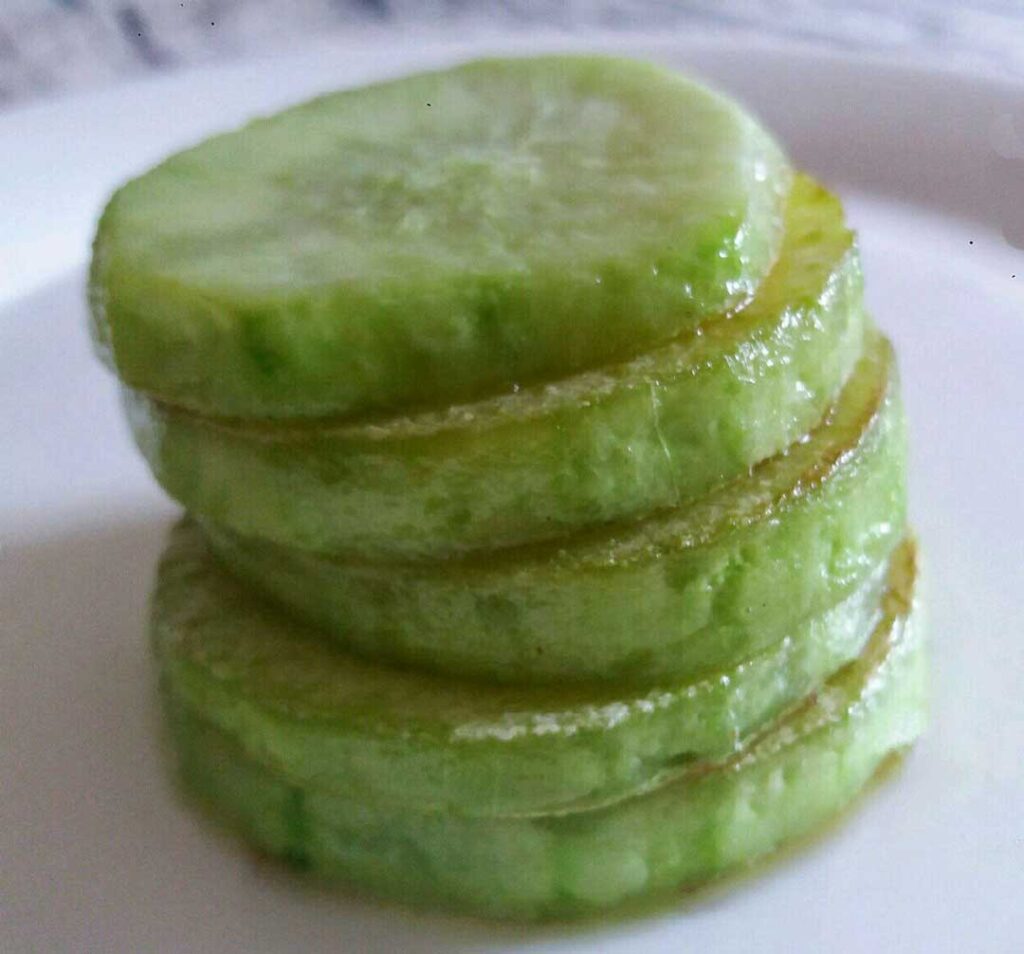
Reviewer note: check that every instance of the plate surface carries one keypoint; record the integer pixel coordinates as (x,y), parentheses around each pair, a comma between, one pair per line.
(97,852)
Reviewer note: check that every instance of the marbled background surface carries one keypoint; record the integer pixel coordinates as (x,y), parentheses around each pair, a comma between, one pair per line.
(50,46)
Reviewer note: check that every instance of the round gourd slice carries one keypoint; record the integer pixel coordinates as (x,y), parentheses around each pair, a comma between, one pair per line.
(714,817)
(532,465)
(436,238)
(683,591)
(324,717)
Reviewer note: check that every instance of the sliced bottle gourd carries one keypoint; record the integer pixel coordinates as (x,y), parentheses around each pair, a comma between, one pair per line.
(436,238)
(785,783)
(530,465)
(324,717)
(683,591)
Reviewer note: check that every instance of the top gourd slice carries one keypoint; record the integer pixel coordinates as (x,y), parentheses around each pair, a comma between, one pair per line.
(436,238)
(539,463)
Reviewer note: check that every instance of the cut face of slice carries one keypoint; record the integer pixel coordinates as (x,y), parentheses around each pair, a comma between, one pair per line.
(321,716)
(784,784)
(436,238)
(682,592)
(532,465)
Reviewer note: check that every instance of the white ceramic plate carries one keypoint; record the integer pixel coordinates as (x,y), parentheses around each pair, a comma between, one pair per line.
(96,853)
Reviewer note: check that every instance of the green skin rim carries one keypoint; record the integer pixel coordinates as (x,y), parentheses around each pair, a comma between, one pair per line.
(323,717)
(533,465)
(362,251)
(668,597)
(788,782)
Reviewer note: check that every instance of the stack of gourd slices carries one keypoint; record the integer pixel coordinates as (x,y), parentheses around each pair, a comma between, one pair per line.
(546,479)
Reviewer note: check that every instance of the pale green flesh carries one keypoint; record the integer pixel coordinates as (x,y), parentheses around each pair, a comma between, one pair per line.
(436,238)
(323,717)
(606,445)
(786,783)
(686,590)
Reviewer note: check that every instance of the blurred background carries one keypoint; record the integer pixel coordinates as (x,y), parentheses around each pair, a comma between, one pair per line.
(50,47)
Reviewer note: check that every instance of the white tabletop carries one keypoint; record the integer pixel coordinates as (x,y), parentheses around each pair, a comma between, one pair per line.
(51,46)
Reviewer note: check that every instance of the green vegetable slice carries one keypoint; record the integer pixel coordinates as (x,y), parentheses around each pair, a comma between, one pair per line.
(436,238)
(800,773)
(321,716)
(604,445)
(684,591)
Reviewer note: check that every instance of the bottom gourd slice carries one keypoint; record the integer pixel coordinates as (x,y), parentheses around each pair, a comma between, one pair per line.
(799,773)
(322,716)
